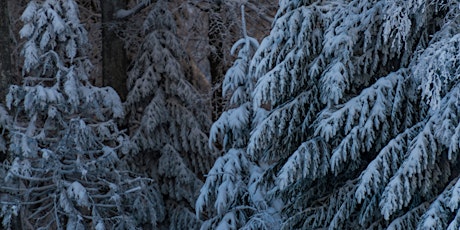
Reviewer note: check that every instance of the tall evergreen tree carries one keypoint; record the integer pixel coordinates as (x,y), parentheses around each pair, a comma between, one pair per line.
(362,129)
(168,118)
(65,159)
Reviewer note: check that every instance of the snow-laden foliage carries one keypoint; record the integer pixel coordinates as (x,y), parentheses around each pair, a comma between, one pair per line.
(230,197)
(65,166)
(168,119)
(234,124)
(362,123)
(226,193)
(47,25)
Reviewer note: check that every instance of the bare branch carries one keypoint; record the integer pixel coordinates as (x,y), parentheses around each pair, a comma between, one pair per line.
(123,14)
(262,15)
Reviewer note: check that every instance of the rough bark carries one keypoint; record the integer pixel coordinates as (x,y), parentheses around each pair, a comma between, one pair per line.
(216,56)
(114,59)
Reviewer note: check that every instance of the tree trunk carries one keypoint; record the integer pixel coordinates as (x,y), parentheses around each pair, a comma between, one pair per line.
(6,73)
(216,39)
(114,59)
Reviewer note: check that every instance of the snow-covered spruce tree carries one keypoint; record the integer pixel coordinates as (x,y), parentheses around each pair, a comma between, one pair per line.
(230,196)
(8,213)
(65,167)
(362,129)
(168,118)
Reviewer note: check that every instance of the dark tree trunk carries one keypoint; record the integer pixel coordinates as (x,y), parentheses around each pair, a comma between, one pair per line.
(6,73)
(216,39)
(114,59)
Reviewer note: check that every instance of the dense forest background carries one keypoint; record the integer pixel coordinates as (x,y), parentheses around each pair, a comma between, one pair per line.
(164,60)
(206,29)
(209,114)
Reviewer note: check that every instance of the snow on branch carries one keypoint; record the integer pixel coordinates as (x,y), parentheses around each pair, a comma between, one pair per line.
(419,169)
(385,165)
(409,220)
(286,121)
(223,183)
(363,120)
(231,126)
(278,66)
(310,161)
(438,67)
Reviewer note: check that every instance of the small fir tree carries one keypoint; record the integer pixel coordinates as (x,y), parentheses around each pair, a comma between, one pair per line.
(168,118)
(230,196)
